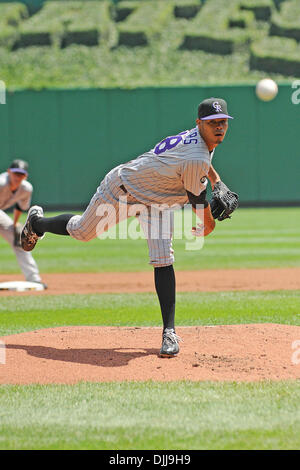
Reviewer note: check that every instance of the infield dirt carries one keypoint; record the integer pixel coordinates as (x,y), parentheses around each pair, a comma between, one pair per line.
(69,355)
(104,354)
(186,281)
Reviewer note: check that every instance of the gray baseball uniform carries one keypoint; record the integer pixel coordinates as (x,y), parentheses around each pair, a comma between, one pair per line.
(161,176)
(22,197)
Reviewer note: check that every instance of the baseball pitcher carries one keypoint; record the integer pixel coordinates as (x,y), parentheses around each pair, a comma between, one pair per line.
(173,173)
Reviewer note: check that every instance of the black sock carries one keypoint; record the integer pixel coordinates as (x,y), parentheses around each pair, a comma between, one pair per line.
(165,288)
(52,224)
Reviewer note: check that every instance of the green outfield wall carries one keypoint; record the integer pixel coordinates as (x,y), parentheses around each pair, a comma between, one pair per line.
(71,138)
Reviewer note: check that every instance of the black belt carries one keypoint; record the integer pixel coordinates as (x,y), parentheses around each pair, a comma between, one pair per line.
(123,188)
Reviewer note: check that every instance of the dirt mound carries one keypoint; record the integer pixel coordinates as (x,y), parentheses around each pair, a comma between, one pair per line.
(186,281)
(104,354)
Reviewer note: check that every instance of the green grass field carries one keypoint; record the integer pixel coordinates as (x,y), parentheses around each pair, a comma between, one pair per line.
(150,415)
(255,238)
(222,308)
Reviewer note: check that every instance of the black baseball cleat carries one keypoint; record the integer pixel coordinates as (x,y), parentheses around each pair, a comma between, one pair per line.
(28,236)
(170,346)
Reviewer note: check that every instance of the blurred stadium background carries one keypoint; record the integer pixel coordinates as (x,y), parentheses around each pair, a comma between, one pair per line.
(91,84)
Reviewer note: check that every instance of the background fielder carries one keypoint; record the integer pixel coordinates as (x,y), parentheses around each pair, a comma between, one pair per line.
(16,191)
(174,172)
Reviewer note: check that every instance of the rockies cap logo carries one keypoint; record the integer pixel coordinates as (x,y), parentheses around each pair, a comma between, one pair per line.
(217,106)
(213,108)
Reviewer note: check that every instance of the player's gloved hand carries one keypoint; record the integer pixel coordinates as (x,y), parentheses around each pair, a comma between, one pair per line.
(17,234)
(198,231)
(223,202)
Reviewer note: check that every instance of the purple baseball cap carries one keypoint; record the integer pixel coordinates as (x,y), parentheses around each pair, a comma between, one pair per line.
(19,166)
(213,108)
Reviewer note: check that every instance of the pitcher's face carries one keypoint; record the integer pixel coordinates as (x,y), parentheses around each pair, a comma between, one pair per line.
(212,131)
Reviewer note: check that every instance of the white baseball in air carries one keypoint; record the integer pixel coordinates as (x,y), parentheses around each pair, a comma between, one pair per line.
(266,89)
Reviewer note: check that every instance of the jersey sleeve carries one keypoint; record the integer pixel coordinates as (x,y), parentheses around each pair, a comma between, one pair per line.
(25,199)
(194,176)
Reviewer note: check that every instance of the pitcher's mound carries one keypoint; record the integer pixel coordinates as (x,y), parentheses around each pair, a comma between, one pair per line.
(104,354)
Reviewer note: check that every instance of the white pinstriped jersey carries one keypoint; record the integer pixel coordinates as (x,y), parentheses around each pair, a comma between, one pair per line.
(22,195)
(177,164)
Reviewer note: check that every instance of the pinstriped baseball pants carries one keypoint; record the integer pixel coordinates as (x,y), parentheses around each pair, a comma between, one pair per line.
(110,205)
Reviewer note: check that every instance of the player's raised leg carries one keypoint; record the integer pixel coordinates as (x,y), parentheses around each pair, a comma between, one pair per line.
(102,213)
(36,225)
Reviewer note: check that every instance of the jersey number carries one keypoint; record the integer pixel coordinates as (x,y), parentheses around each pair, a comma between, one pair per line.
(167,144)
(170,142)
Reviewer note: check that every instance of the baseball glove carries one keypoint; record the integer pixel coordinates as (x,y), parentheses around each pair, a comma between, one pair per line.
(223,202)
(17,234)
